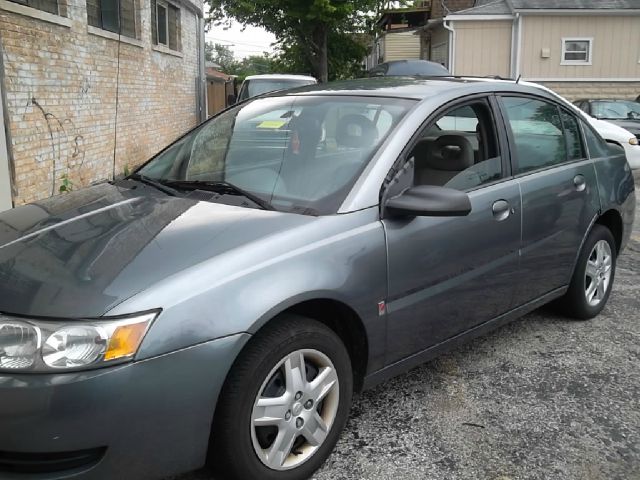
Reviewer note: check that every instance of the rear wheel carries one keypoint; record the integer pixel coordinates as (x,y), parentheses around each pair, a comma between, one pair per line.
(593,277)
(284,403)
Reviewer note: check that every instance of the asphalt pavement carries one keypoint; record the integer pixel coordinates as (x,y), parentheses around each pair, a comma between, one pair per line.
(542,398)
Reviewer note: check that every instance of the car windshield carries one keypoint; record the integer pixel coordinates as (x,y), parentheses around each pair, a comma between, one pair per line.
(296,154)
(619,110)
(259,87)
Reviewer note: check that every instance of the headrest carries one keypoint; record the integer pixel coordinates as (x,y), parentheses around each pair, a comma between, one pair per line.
(452,153)
(356,131)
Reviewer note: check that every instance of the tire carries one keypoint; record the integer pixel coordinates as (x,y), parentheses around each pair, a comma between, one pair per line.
(575,303)
(238,449)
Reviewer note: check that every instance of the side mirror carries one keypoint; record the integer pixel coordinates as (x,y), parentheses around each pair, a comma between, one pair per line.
(429,201)
(231,100)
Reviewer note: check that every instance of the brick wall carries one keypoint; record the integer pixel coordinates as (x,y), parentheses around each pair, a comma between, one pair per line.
(576,90)
(452,5)
(60,86)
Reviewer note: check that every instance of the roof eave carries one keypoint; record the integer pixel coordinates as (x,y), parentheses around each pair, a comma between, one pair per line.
(577,11)
(476,17)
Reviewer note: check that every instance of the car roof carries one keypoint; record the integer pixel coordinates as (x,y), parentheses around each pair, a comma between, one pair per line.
(416,88)
(280,77)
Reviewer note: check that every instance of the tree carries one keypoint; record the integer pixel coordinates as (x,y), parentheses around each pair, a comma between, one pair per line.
(305,23)
(255,65)
(222,55)
(345,54)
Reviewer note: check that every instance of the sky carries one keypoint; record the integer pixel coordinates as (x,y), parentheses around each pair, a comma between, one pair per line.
(251,41)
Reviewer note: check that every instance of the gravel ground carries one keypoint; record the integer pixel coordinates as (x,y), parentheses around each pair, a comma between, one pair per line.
(542,398)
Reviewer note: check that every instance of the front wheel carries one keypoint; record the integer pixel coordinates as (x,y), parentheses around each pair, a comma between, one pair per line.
(284,403)
(593,277)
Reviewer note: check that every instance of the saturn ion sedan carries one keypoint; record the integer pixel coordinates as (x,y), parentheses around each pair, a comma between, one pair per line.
(225,301)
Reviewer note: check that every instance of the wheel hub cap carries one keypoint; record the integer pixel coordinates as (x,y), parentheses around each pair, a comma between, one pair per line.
(299,420)
(598,273)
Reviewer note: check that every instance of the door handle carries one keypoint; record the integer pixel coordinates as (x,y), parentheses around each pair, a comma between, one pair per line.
(501,210)
(579,183)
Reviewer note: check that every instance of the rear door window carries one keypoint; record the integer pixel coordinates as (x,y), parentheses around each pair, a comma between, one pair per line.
(543,135)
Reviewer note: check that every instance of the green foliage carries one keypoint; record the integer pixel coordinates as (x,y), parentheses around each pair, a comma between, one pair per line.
(254,65)
(222,55)
(345,54)
(66,185)
(310,32)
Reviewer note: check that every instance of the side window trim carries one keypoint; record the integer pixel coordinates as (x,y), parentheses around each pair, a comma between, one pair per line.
(400,164)
(511,139)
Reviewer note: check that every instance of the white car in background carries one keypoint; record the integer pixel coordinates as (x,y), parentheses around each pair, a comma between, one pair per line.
(255,85)
(607,130)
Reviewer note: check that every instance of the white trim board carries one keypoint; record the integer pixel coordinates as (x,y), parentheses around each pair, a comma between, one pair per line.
(603,12)
(581,79)
(463,18)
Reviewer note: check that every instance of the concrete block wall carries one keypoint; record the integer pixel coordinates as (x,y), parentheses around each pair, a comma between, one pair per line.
(577,90)
(60,87)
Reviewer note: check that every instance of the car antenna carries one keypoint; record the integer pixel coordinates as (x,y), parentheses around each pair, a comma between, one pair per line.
(518,79)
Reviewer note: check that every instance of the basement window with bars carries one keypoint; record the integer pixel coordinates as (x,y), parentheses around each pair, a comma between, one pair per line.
(49,6)
(117,16)
(165,24)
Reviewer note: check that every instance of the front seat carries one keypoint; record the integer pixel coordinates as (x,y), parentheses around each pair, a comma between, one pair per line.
(440,160)
(356,131)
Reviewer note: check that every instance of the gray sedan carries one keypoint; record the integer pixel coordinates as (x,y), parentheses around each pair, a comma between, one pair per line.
(225,301)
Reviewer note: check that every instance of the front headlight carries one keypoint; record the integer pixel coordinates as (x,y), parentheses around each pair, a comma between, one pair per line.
(633,141)
(41,345)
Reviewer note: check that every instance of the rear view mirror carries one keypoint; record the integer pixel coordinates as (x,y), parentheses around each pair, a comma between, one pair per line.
(429,201)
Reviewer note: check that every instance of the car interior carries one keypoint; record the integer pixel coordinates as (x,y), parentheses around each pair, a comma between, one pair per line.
(460,150)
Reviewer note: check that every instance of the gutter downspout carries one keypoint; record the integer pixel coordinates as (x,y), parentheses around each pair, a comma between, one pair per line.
(452,46)
(7,188)
(201,81)
(518,45)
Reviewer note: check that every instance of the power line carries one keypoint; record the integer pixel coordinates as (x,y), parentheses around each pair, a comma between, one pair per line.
(237,43)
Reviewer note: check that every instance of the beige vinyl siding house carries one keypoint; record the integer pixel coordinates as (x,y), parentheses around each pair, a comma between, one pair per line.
(483,48)
(576,47)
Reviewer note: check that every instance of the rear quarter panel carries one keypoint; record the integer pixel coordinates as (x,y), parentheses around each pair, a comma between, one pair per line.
(617,190)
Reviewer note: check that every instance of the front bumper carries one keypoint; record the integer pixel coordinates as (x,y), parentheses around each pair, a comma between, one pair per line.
(146,420)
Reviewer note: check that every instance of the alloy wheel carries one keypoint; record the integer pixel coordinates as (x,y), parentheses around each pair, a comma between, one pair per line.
(295,409)
(598,273)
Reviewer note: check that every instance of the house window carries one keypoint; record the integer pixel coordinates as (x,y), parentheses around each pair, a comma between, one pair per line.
(165,24)
(117,16)
(577,51)
(49,6)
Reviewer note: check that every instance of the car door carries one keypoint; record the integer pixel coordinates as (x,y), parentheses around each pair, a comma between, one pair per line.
(449,274)
(559,191)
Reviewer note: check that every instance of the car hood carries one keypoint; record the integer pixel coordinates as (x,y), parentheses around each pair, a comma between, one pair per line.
(81,254)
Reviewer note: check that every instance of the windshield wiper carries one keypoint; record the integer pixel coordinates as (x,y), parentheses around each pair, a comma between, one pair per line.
(157,184)
(220,187)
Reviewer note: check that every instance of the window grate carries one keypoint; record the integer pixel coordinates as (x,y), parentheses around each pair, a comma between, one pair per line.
(49,6)
(104,14)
